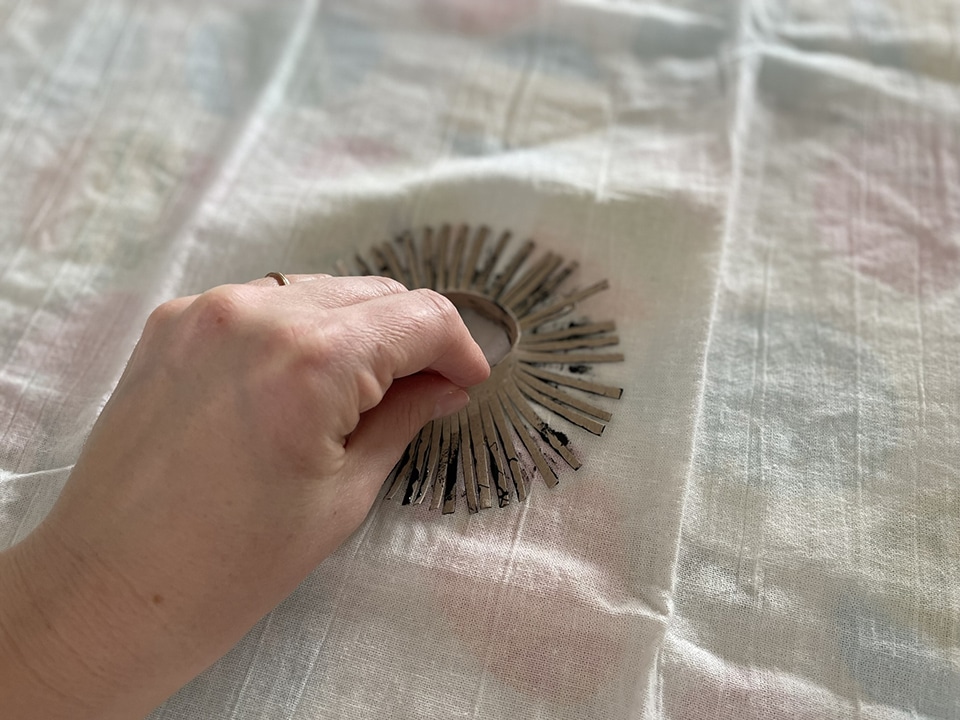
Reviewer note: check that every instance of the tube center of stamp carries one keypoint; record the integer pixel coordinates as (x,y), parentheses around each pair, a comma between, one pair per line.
(493,327)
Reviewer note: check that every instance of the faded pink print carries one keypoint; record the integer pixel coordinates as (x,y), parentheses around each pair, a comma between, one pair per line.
(539,614)
(479,18)
(342,157)
(56,198)
(92,172)
(889,199)
(56,372)
(708,689)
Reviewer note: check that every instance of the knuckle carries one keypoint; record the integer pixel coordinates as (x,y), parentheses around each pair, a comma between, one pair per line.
(166,334)
(387,286)
(437,307)
(221,306)
(163,314)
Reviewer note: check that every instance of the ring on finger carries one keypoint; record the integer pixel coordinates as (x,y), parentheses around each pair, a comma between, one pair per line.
(279,277)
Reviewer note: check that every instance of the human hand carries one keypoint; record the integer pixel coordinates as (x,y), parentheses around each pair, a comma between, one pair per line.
(247,438)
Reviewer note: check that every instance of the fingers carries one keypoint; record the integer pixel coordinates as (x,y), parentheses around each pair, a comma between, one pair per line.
(385,430)
(417,330)
(379,324)
(331,292)
(372,331)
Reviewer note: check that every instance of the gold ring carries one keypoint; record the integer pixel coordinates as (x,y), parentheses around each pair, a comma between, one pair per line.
(279,277)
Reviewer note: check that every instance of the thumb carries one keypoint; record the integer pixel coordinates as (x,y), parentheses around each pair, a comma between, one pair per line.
(386,429)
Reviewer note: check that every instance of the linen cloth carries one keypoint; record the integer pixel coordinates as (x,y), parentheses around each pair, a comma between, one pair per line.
(770,526)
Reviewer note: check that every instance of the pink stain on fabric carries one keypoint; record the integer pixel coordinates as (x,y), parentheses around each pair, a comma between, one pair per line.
(889,200)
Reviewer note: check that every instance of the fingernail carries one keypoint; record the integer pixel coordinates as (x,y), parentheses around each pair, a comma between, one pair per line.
(449,403)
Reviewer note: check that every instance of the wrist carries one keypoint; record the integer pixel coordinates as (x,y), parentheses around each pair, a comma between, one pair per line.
(63,652)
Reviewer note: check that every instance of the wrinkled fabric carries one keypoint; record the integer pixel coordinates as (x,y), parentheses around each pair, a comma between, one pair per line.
(769,527)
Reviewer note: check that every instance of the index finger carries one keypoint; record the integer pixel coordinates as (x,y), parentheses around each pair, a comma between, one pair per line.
(399,335)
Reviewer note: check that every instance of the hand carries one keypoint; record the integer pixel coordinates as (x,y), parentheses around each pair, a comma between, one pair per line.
(247,438)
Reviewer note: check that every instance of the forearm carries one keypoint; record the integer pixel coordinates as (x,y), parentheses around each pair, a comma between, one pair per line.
(217,477)
(63,652)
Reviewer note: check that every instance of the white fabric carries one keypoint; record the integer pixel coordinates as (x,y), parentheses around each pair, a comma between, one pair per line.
(770,526)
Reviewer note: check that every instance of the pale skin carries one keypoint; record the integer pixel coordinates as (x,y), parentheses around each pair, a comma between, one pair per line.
(246,440)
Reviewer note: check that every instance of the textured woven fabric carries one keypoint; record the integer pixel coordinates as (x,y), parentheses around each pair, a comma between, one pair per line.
(769,527)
